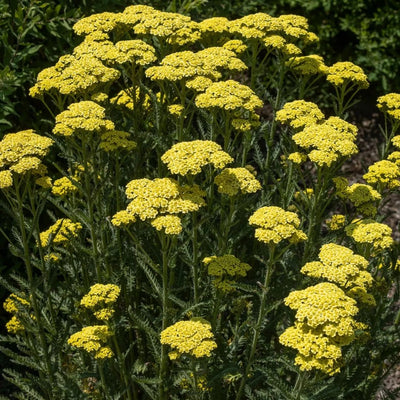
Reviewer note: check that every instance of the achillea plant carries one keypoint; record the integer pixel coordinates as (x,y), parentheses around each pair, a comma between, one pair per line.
(181,241)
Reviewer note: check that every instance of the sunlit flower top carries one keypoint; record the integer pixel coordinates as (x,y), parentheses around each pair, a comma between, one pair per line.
(231,181)
(60,232)
(229,95)
(384,174)
(214,25)
(336,222)
(63,187)
(15,305)
(82,117)
(170,224)
(368,231)
(390,105)
(225,270)
(346,72)
(189,157)
(100,300)
(237,46)
(193,338)
(299,114)
(101,22)
(92,340)
(275,225)
(131,98)
(307,65)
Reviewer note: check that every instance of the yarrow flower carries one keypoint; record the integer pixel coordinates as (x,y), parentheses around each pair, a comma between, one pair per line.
(122,217)
(60,233)
(307,65)
(390,104)
(336,222)
(192,337)
(116,140)
(189,157)
(299,114)
(225,270)
(231,181)
(346,72)
(101,22)
(324,323)
(131,99)
(101,299)
(368,231)
(15,305)
(93,340)
(383,173)
(171,224)
(275,224)
(64,187)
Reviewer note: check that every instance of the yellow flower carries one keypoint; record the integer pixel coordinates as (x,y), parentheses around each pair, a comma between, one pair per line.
(189,337)
(130,99)
(342,73)
(122,217)
(102,22)
(297,157)
(6,179)
(275,224)
(336,222)
(116,140)
(307,65)
(299,114)
(231,181)
(390,105)
(63,187)
(60,232)
(214,25)
(384,173)
(15,326)
(176,110)
(189,157)
(171,224)
(237,46)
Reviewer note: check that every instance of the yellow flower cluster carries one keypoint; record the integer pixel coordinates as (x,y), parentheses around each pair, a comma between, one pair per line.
(370,232)
(171,224)
(243,124)
(324,323)
(297,157)
(336,222)
(214,25)
(394,157)
(60,232)
(364,197)
(100,300)
(299,114)
(193,338)
(384,174)
(21,153)
(15,305)
(131,98)
(122,217)
(116,140)
(340,265)
(346,72)
(82,117)
(199,83)
(390,105)
(275,224)
(189,157)
(225,269)
(187,64)
(64,187)
(235,45)
(328,140)
(176,109)
(101,22)
(92,340)
(231,181)
(307,65)
(229,95)
(73,76)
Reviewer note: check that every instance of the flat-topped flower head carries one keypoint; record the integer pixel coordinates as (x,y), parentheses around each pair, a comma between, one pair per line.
(346,72)
(254,26)
(235,45)
(170,224)
(232,181)
(64,187)
(131,98)
(82,117)
(60,233)
(193,338)
(93,340)
(340,265)
(368,231)
(74,76)
(162,196)
(390,104)
(328,141)
(275,225)
(214,25)
(229,95)
(101,299)
(116,140)
(299,114)
(225,270)
(336,222)
(383,173)
(101,22)
(190,157)
(307,65)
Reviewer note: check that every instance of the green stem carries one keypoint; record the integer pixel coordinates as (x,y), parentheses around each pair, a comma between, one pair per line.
(195,266)
(122,368)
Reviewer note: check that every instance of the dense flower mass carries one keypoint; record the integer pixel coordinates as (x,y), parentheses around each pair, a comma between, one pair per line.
(230,96)
(64,187)
(102,22)
(324,323)
(299,114)
(92,339)
(100,300)
(193,338)
(60,233)
(275,224)
(307,65)
(390,105)
(189,157)
(231,181)
(328,141)
(346,72)
(131,98)
(225,270)
(116,140)
(171,224)
(16,306)
(336,222)
(383,173)
(368,231)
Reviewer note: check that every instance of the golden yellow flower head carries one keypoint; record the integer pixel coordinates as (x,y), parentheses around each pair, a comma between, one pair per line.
(346,72)
(189,157)
(307,65)
(101,22)
(390,105)
(237,46)
(193,338)
(64,187)
(336,222)
(122,218)
(299,114)
(383,173)
(171,224)
(60,232)
(92,340)
(275,225)
(130,98)
(231,181)
(116,140)
(82,117)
